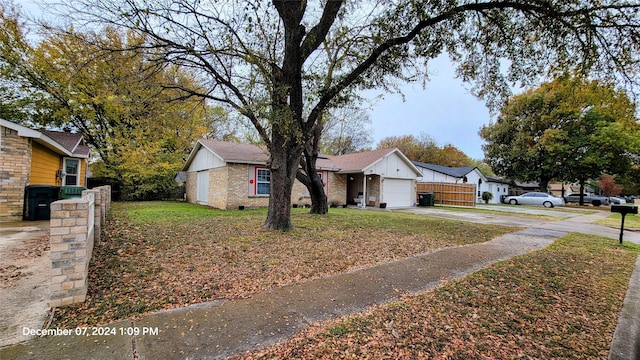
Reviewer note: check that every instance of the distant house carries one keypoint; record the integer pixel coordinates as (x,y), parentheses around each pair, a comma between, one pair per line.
(556,189)
(228,175)
(32,157)
(519,188)
(466,175)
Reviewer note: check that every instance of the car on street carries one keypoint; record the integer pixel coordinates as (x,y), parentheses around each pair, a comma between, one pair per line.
(616,200)
(595,200)
(535,198)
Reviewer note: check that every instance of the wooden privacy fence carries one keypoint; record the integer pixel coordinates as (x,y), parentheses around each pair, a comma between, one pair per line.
(449,193)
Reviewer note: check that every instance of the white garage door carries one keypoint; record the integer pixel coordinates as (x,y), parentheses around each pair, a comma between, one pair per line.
(202,187)
(398,192)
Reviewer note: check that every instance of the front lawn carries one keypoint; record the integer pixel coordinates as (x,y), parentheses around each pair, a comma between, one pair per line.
(161,255)
(631,221)
(561,302)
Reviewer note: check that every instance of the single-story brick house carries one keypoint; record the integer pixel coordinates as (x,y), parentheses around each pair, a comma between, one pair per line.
(467,174)
(227,175)
(379,176)
(33,157)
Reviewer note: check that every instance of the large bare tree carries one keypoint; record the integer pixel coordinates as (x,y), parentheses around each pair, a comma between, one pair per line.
(283,63)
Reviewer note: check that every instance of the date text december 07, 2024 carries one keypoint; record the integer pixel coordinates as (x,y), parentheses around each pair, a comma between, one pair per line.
(91,331)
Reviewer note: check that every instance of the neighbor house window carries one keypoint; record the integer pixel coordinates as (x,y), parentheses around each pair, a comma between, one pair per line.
(263,182)
(72,172)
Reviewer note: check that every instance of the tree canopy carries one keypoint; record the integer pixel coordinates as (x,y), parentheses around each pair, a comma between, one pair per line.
(125,106)
(347,130)
(427,150)
(282,64)
(570,129)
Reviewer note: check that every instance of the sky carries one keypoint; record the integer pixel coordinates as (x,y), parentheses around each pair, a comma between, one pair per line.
(444,109)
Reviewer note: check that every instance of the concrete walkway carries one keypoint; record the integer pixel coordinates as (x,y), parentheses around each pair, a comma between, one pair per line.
(25,293)
(223,328)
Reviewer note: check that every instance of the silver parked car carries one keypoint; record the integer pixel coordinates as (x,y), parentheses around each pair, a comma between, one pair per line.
(535,198)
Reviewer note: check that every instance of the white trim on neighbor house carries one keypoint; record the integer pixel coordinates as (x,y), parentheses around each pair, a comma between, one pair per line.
(66,176)
(37,136)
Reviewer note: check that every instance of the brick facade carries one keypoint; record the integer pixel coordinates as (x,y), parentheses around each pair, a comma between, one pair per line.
(229,189)
(218,179)
(15,166)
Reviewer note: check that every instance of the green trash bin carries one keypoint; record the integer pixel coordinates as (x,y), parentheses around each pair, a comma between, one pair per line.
(425,199)
(71,192)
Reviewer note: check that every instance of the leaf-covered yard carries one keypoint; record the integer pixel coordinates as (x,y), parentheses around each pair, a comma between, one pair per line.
(558,303)
(161,255)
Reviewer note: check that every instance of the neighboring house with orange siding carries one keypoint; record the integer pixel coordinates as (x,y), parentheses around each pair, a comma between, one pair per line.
(33,157)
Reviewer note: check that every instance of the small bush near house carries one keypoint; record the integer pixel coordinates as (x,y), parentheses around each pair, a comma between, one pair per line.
(487,196)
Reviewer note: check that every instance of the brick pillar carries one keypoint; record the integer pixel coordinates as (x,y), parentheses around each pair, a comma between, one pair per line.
(99,215)
(71,245)
(106,201)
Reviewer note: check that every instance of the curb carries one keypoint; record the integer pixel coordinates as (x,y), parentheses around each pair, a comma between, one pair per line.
(626,339)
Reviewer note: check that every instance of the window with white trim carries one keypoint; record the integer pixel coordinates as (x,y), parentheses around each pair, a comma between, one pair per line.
(263,182)
(71,172)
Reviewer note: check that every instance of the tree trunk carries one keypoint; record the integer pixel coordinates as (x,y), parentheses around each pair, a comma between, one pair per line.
(313,181)
(544,185)
(581,192)
(319,201)
(283,167)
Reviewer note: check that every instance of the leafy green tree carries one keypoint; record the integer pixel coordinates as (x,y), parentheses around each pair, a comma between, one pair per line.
(16,102)
(282,64)
(124,105)
(570,129)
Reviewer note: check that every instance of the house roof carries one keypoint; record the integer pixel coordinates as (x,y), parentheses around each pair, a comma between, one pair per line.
(359,162)
(457,172)
(499,180)
(70,141)
(232,152)
(527,185)
(236,152)
(63,143)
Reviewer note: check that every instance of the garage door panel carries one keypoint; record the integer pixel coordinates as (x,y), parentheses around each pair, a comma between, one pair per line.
(202,187)
(398,192)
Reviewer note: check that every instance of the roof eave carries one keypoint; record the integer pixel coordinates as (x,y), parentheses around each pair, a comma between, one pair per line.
(192,155)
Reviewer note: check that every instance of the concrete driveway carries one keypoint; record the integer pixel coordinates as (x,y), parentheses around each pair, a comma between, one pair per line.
(25,271)
(568,221)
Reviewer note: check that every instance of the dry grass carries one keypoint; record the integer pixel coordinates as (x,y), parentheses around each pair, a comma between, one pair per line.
(161,255)
(558,303)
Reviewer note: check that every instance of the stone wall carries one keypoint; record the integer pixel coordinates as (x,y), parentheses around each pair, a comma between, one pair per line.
(15,166)
(75,226)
